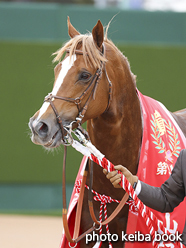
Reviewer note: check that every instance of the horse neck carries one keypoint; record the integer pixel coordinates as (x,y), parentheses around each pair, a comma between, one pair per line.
(117,133)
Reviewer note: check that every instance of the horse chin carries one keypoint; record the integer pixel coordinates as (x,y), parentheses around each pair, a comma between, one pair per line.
(55,141)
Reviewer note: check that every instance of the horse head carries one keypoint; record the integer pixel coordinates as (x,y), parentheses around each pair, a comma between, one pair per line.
(75,96)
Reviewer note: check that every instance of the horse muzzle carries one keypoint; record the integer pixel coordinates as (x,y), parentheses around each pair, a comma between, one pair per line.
(45,133)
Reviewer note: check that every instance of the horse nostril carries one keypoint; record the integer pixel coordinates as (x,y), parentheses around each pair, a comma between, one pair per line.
(42,129)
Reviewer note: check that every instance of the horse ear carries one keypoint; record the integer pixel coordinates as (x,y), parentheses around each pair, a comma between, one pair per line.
(98,34)
(71,30)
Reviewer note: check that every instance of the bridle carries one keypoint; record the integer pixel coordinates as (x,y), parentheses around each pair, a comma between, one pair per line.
(65,141)
(77,101)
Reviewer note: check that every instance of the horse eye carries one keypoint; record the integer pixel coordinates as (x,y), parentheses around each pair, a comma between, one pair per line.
(84,76)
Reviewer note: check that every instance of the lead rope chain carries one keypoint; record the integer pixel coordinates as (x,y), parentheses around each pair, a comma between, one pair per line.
(95,155)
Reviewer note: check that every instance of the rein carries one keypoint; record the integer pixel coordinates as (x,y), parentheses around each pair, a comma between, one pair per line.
(65,140)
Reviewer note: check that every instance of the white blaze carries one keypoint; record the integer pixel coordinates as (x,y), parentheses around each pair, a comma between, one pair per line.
(66,64)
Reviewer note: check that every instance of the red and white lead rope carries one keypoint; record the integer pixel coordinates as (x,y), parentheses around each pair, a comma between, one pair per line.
(103,199)
(151,220)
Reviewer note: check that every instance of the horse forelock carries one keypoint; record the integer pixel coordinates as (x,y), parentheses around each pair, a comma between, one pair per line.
(91,54)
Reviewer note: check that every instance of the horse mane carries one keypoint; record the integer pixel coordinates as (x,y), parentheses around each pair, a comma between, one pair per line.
(94,58)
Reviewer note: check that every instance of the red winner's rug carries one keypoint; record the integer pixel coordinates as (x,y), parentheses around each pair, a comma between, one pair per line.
(161,144)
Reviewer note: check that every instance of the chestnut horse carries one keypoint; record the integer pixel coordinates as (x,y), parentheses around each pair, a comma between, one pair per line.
(114,120)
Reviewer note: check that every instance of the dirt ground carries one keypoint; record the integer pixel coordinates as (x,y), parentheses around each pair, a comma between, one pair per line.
(19,231)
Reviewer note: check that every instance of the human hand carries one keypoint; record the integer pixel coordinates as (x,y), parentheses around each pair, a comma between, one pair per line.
(115,178)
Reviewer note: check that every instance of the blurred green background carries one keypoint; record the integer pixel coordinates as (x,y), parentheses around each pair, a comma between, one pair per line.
(155,44)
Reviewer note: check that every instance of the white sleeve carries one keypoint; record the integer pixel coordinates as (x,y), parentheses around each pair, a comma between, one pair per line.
(138,188)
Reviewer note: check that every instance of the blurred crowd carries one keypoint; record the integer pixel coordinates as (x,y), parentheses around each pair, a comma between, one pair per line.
(151,5)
